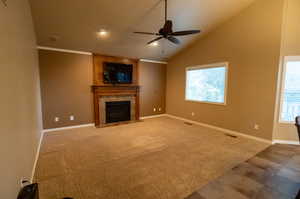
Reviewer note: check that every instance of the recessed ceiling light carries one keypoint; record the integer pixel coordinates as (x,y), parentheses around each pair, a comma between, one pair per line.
(154,43)
(102,33)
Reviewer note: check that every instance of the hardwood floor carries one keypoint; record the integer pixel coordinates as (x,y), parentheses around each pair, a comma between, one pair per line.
(272,174)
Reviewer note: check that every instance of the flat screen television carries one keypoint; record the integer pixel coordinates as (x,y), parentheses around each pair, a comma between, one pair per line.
(117,73)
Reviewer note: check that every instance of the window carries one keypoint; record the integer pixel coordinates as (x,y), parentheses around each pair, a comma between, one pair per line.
(290,96)
(207,83)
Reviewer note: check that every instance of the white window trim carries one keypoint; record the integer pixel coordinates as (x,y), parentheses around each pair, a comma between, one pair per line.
(214,65)
(286,60)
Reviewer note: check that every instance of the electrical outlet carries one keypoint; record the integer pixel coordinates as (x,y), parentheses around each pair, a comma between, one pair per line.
(193,114)
(24,182)
(256,126)
(56,119)
(154,109)
(72,117)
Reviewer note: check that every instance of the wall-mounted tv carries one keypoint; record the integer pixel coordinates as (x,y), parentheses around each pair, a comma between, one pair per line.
(117,73)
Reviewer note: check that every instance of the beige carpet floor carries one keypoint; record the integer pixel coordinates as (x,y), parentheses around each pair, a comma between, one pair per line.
(159,158)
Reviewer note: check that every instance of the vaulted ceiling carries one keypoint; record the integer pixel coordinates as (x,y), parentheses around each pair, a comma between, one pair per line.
(73,24)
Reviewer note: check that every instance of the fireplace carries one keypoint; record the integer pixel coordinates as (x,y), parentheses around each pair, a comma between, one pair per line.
(105,92)
(117,111)
(115,105)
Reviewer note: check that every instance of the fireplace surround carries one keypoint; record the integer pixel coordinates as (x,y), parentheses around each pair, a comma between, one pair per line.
(114,110)
(106,96)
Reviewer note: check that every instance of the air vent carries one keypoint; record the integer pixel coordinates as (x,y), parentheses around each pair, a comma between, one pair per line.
(232,136)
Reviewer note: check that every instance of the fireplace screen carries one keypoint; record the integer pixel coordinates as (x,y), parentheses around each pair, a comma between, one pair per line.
(117,111)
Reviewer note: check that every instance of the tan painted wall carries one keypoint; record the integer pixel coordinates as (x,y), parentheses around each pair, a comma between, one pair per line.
(20,124)
(290,47)
(250,42)
(152,79)
(66,80)
(291,40)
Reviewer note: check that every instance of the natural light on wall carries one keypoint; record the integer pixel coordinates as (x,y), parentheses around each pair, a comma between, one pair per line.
(207,83)
(290,106)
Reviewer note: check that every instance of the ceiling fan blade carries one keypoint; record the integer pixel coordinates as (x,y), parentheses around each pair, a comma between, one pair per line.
(146,33)
(154,40)
(173,40)
(187,32)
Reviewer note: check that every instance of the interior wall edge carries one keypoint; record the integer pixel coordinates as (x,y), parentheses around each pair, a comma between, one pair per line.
(289,48)
(37,156)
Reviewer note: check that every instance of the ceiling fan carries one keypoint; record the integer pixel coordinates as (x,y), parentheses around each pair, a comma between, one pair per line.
(167,31)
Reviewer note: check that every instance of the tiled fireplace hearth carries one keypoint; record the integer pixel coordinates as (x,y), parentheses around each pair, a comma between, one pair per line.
(115,105)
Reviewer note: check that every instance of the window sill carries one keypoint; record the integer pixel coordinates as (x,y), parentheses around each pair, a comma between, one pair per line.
(204,102)
(283,122)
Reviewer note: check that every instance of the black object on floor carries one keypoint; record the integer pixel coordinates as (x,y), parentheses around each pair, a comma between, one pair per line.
(29,192)
(298,196)
(298,125)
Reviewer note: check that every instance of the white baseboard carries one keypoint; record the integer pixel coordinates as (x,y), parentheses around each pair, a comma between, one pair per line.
(152,116)
(286,142)
(36,157)
(68,127)
(221,129)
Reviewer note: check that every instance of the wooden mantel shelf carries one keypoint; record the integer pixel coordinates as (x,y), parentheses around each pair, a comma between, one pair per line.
(115,86)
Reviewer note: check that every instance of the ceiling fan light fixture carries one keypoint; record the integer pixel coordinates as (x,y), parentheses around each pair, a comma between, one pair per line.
(154,43)
(166,32)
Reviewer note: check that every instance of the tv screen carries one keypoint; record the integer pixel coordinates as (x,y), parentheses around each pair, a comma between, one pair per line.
(117,73)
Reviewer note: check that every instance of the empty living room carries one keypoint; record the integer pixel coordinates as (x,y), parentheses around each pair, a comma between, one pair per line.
(150,99)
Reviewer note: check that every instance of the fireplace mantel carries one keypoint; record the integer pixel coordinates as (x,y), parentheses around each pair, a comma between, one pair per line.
(114,91)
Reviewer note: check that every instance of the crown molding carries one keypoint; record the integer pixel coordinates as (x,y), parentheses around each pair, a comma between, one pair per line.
(153,61)
(89,53)
(63,50)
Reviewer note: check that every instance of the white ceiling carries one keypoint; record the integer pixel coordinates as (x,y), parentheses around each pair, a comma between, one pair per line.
(76,22)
